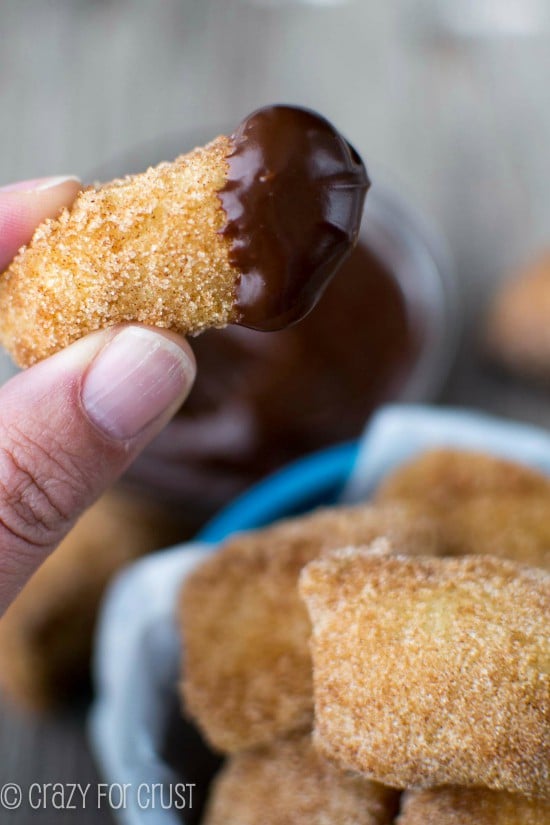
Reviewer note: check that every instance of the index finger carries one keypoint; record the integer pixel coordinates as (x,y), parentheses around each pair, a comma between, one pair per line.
(25,204)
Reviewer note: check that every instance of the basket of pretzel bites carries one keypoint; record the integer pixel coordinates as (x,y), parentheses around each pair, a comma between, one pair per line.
(385,663)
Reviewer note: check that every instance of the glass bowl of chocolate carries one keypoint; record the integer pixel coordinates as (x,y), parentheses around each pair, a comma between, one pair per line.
(384,330)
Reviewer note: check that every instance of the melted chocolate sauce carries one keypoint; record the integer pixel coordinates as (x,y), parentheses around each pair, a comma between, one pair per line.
(294,199)
(261,400)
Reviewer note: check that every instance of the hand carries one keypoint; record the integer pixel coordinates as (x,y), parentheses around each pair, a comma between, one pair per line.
(70,425)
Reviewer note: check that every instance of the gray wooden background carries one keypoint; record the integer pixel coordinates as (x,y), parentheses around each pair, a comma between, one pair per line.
(453,108)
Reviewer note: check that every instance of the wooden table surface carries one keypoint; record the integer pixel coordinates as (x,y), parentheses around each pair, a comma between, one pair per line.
(460,123)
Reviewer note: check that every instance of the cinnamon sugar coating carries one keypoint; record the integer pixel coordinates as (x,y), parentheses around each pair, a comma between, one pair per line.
(507,526)
(471,806)
(247,665)
(442,478)
(288,783)
(478,503)
(145,248)
(432,671)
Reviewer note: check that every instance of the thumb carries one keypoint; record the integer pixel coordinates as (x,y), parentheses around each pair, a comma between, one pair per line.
(70,425)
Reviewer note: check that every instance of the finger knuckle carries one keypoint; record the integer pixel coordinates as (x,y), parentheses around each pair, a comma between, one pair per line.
(39,488)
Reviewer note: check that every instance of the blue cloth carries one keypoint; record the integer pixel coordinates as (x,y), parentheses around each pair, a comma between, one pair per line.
(350,472)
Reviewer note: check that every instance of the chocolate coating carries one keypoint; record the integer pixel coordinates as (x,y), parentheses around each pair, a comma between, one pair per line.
(294,199)
(260,401)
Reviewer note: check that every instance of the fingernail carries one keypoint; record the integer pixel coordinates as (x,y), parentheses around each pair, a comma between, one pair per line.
(38,184)
(136,378)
